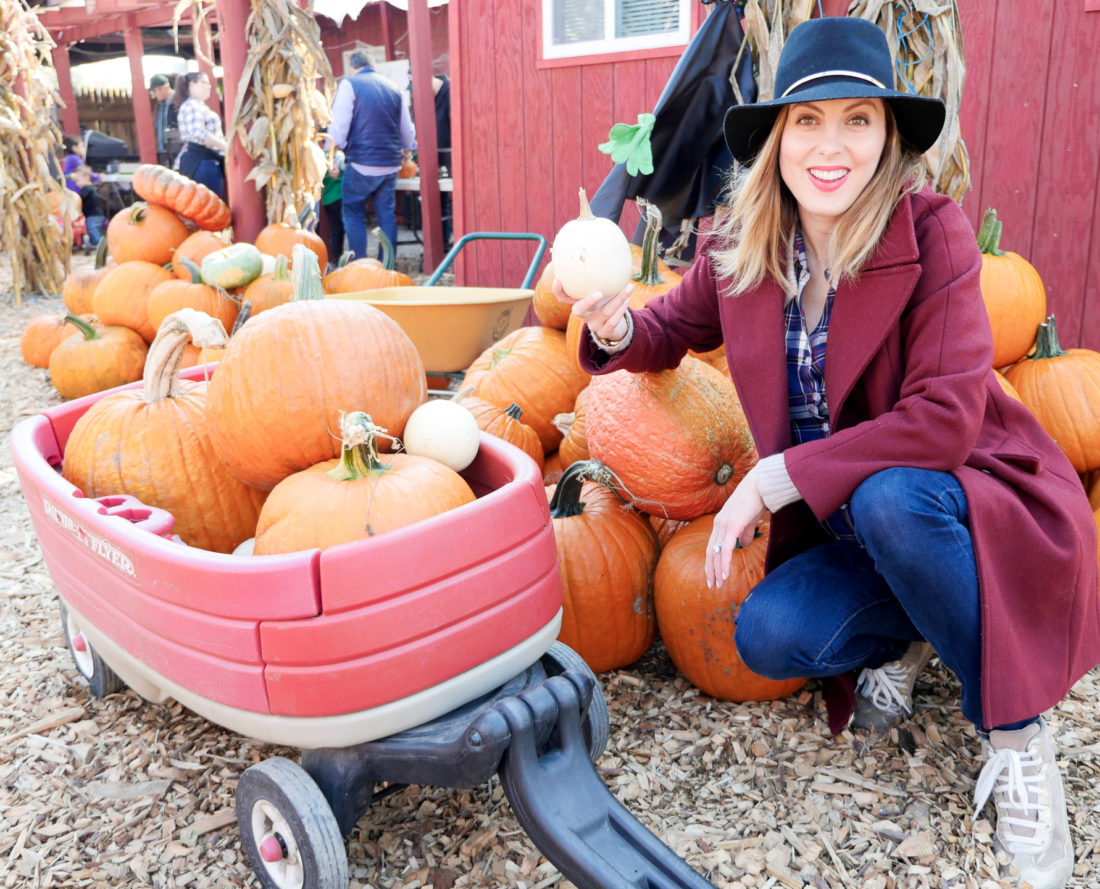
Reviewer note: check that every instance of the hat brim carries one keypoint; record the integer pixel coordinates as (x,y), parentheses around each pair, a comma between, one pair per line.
(920,119)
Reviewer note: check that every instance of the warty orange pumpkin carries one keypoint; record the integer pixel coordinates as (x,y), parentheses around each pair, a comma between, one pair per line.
(677,438)
(606,556)
(697,623)
(153,444)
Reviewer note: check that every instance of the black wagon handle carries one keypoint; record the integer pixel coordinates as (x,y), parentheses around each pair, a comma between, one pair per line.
(498,236)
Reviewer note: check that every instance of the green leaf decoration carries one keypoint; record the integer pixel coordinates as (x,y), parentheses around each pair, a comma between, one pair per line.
(630,145)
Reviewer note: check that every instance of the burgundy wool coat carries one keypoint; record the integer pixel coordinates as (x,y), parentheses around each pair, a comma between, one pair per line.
(909,383)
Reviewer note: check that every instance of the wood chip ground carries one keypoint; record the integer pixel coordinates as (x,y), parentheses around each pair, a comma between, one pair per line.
(123,793)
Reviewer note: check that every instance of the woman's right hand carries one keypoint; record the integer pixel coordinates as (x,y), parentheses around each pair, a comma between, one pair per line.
(604,315)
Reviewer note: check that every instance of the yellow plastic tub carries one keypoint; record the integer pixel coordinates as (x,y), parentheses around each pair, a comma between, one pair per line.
(450,326)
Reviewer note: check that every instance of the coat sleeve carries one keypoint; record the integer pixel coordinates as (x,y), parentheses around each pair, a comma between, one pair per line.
(684,318)
(939,401)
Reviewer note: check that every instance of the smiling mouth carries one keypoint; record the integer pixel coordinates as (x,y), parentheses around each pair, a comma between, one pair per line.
(828,175)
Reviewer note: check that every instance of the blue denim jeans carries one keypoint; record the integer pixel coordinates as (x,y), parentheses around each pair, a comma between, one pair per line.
(356,190)
(843,606)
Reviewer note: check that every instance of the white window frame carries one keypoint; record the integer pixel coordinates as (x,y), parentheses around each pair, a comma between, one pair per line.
(610,43)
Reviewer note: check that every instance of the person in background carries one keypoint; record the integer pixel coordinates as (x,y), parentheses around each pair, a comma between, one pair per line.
(371,123)
(331,198)
(441,87)
(164,119)
(203,156)
(94,220)
(75,150)
(915,507)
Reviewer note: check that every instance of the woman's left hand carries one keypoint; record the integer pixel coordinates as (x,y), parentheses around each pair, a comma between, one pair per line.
(736,520)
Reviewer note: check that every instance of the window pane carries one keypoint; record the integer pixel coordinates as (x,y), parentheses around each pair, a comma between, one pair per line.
(634,17)
(578,20)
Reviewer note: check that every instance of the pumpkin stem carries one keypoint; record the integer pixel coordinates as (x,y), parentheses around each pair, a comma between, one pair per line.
(387,248)
(137,212)
(1046,341)
(564,422)
(359,455)
(649,274)
(280,272)
(305,273)
(567,495)
(345,257)
(514,411)
(989,234)
(101,253)
(90,333)
(724,474)
(192,268)
(162,365)
(586,210)
(464,392)
(243,314)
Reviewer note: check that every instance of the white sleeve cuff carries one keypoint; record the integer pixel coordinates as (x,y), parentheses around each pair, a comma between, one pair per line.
(776,487)
(621,344)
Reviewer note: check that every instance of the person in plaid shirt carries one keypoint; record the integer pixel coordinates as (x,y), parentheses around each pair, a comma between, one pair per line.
(200,130)
(915,507)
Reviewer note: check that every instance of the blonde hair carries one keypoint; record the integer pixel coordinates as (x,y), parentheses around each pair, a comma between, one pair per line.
(755,229)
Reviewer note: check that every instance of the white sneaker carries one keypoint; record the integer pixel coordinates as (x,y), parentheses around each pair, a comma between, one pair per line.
(884,695)
(1032,826)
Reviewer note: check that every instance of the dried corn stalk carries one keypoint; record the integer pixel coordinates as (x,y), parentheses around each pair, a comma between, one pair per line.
(279,106)
(39,248)
(925,40)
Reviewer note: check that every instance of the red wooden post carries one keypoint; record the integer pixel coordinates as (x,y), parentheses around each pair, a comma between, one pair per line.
(420,56)
(247,204)
(387,30)
(143,109)
(70,118)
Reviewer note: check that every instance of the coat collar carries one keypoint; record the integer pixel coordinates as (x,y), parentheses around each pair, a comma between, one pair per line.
(863,314)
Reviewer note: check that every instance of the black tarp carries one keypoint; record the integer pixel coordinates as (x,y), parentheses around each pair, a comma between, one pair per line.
(690,158)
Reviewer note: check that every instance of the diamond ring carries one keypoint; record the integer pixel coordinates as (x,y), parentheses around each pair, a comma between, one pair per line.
(717,548)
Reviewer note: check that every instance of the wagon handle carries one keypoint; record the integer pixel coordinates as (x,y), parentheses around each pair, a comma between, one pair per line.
(500,236)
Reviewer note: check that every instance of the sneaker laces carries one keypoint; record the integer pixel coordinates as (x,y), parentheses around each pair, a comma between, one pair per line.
(886,686)
(1015,777)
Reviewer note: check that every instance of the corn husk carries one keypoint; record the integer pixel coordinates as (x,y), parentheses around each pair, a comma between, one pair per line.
(283,99)
(38,243)
(925,38)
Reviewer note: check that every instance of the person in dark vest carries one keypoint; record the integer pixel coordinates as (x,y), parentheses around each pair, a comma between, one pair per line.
(441,87)
(164,119)
(372,125)
(915,507)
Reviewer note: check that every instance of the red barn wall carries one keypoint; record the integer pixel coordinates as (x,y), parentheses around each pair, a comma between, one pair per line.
(525,137)
(380,24)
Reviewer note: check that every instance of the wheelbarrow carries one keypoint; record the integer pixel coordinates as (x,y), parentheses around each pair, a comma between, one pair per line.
(451,326)
(437,665)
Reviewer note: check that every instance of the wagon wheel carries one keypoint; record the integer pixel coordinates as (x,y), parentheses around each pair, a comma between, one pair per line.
(101,679)
(288,829)
(595,723)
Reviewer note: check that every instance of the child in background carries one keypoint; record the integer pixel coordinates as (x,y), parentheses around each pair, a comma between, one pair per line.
(89,200)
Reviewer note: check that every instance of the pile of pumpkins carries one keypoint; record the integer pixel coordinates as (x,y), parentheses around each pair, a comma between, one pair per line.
(172,250)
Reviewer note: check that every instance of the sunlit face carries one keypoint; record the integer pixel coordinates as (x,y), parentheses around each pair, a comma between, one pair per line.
(162,92)
(828,152)
(200,89)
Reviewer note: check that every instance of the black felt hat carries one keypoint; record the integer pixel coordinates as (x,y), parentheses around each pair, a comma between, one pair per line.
(835,57)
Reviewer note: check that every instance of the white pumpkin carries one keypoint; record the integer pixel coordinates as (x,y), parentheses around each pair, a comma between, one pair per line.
(445,431)
(590,253)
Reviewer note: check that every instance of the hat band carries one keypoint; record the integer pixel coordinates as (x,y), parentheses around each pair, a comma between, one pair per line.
(820,74)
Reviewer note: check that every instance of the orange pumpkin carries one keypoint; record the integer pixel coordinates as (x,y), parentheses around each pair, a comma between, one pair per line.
(190,199)
(550,310)
(80,284)
(153,443)
(677,438)
(268,291)
(310,359)
(530,367)
(194,355)
(147,232)
(356,496)
(96,359)
(697,623)
(505,423)
(552,468)
(366,274)
(44,334)
(574,443)
(665,528)
(1062,388)
(606,556)
(279,238)
(1005,385)
(1013,292)
(122,297)
(194,247)
(408,169)
(174,294)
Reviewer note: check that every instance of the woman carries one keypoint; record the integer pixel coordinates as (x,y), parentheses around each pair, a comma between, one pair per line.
(914,505)
(200,130)
(75,151)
